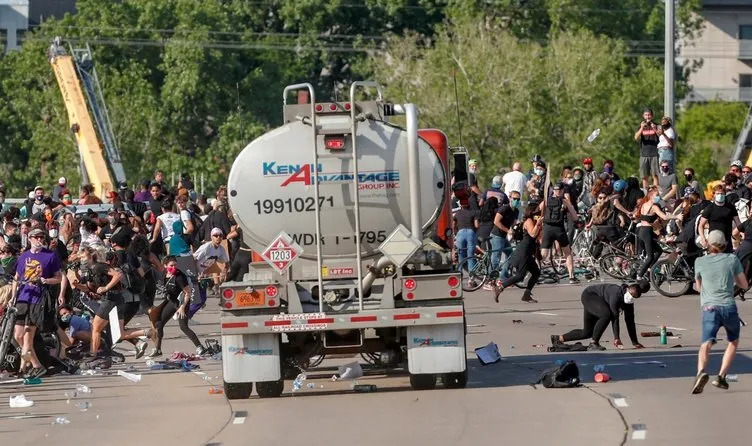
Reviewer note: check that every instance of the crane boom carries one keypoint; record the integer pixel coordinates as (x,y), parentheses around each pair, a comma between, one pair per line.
(80,120)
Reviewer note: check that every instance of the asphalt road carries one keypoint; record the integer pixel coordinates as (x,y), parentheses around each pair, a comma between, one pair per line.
(648,400)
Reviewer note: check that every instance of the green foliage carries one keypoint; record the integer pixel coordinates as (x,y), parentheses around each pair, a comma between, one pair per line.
(188,83)
(527,98)
(707,135)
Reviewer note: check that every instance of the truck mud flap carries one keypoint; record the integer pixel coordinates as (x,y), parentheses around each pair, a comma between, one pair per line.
(251,358)
(436,349)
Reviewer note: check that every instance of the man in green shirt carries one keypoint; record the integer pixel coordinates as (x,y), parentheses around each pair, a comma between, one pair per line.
(715,276)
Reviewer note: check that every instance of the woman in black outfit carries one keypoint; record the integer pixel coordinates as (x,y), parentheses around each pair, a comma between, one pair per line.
(175,284)
(523,260)
(648,211)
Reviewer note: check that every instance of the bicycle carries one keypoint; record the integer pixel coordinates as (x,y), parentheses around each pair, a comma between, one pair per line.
(483,271)
(673,270)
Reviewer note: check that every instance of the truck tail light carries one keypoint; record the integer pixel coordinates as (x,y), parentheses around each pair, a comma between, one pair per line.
(410,284)
(271,291)
(336,142)
(319,108)
(228,294)
(453,282)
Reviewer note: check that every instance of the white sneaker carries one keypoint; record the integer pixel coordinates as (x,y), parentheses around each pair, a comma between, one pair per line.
(19,401)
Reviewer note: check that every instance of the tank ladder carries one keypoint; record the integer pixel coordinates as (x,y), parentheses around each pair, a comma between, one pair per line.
(353,182)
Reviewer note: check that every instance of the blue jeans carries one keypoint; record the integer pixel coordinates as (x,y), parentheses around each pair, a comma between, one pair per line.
(499,246)
(466,241)
(714,317)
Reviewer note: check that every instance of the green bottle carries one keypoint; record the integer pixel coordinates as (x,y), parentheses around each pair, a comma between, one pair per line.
(664,338)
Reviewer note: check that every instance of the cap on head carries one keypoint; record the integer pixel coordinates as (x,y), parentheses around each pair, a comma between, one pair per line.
(62,180)
(472,162)
(620,185)
(687,191)
(217,231)
(737,163)
(587,161)
(605,176)
(39,188)
(717,238)
(536,158)
(558,185)
(496,181)
(36,232)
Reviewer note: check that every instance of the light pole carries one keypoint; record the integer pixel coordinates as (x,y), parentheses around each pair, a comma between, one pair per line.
(668,75)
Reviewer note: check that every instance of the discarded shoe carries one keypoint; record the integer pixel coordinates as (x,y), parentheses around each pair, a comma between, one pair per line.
(19,401)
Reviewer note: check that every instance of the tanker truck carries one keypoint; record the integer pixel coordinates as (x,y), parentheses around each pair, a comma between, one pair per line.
(351,217)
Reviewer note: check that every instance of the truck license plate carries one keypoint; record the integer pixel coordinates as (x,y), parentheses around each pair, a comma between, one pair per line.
(246,299)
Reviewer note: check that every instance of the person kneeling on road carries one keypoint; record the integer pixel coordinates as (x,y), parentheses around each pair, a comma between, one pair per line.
(602,305)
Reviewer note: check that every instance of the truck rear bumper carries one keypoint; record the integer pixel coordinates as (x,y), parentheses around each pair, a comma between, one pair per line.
(302,322)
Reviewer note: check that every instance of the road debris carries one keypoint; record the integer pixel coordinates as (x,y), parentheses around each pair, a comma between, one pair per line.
(82,388)
(129,376)
(19,401)
(602,377)
(61,420)
(488,354)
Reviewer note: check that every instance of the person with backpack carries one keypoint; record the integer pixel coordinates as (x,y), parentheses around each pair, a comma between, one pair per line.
(554,209)
(503,222)
(191,222)
(602,304)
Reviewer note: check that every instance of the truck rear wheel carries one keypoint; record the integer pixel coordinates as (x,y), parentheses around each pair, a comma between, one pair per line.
(270,389)
(423,381)
(238,391)
(455,380)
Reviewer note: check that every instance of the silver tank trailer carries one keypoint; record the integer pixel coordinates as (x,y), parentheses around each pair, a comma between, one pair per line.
(271,188)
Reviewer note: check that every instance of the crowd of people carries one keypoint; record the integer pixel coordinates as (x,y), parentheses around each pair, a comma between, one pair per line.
(159,251)
(523,217)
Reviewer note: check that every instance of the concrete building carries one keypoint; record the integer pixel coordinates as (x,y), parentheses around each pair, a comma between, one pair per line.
(17,16)
(725,50)
(14,19)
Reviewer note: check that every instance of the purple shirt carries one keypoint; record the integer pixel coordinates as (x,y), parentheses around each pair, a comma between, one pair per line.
(32,267)
(142,196)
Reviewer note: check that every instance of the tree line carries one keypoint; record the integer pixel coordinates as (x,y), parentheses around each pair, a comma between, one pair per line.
(189,83)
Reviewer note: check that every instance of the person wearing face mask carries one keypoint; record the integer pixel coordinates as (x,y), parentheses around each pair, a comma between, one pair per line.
(8,259)
(602,305)
(113,223)
(523,260)
(175,283)
(608,168)
(505,218)
(36,269)
(668,186)
(721,216)
(690,180)
(536,185)
(648,211)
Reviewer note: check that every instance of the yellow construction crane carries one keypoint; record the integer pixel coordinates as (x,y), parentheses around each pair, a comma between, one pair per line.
(70,77)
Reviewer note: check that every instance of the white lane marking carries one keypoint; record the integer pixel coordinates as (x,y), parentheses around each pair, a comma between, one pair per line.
(621,402)
(544,314)
(238,420)
(661,356)
(676,328)
(475,325)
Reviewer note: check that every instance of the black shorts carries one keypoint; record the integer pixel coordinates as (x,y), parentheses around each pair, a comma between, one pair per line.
(553,234)
(106,305)
(130,310)
(29,314)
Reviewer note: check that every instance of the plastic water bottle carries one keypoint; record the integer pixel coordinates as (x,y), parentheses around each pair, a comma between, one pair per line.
(365,388)
(298,383)
(732,378)
(61,420)
(664,338)
(80,388)
(83,407)
(149,363)
(599,368)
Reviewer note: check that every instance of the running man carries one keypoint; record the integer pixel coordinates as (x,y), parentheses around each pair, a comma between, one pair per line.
(715,276)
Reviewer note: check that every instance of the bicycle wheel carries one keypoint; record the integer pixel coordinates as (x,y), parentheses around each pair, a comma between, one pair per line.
(475,278)
(618,266)
(668,279)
